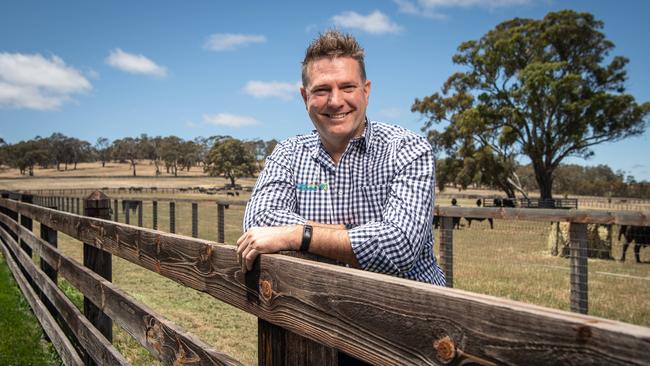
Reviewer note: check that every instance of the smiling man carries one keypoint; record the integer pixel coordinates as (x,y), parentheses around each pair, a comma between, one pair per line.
(356,191)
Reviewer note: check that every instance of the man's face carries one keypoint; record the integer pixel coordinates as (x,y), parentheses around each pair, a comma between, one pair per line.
(336,99)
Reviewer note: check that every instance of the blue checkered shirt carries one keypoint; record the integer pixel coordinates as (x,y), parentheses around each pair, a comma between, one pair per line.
(381,190)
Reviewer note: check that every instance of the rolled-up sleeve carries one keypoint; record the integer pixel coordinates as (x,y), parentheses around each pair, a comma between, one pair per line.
(273,201)
(394,244)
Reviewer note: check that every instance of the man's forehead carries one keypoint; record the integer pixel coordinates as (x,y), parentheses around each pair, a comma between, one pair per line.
(326,69)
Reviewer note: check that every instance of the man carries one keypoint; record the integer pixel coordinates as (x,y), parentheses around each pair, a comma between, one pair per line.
(355,191)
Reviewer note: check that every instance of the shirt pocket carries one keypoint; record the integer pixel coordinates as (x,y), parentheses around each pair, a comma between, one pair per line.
(370,202)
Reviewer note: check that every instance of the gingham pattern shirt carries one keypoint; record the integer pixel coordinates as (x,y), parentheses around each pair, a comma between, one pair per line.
(382,190)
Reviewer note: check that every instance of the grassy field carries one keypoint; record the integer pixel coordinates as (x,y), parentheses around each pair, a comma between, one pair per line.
(22,340)
(511,261)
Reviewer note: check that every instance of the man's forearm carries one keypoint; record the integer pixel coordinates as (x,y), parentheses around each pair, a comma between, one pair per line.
(332,241)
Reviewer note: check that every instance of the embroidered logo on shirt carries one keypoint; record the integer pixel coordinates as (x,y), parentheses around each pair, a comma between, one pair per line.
(312,186)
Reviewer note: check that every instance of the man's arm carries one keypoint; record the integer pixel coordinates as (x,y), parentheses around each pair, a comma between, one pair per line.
(330,241)
(393,244)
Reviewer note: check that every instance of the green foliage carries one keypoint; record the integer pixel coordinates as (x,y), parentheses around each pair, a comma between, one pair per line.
(232,159)
(538,88)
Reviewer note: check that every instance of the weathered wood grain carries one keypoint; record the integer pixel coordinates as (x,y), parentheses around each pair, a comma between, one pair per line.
(96,346)
(64,348)
(638,218)
(377,318)
(166,341)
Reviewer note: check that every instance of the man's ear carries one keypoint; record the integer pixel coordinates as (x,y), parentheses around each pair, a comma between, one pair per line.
(303,92)
(366,89)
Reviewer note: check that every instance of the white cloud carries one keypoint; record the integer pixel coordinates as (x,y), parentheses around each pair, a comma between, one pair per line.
(430,8)
(230,41)
(272,89)
(375,22)
(134,64)
(229,120)
(36,82)
(410,8)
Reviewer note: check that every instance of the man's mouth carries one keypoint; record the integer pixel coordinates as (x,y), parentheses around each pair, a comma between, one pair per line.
(337,115)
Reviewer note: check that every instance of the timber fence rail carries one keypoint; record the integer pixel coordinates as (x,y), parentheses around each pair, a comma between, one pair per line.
(309,312)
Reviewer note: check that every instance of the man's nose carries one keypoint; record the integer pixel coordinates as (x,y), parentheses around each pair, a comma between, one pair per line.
(336,98)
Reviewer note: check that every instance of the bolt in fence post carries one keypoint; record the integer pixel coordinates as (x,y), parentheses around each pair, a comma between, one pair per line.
(172,217)
(221,226)
(447,248)
(579,279)
(140,213)
(154,214)
(98,205)
(195,220)
(116,216)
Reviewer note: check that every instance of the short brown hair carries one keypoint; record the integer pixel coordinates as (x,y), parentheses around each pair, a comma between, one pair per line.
(333,44)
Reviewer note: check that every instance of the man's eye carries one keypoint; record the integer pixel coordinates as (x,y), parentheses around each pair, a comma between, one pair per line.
(319,92)
(349,88)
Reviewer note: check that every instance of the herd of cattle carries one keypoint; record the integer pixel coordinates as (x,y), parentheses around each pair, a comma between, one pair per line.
(639,235)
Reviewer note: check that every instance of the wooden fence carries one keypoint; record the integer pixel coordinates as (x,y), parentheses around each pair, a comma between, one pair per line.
(309,312)
(579,219)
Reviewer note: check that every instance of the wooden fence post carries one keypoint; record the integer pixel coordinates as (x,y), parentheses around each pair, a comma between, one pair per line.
(51,237)
(221,226)
(195,220)
(578,256)
(140,213)
(447,248)
(26,222)
(78,211)
(278,346)
(116,208)
(97,204)
(127,214)
(172,217)
(154,214)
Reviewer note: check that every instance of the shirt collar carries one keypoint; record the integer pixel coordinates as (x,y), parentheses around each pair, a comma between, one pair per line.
(314,144)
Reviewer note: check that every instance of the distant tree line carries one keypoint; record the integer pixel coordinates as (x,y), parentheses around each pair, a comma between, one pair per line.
(569,179)
(216,155)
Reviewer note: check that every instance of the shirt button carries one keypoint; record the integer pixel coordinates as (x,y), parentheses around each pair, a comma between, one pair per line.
(340,193)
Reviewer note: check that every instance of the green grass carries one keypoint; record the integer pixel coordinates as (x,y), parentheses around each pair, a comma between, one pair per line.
(22,340)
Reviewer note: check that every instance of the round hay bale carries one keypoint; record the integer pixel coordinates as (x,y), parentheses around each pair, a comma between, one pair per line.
(599,240)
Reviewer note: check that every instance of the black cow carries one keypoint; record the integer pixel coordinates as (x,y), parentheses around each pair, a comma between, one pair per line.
(130,205)
(480,219)
(640,235)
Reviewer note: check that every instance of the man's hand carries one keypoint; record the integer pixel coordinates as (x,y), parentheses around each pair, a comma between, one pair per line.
(263,240)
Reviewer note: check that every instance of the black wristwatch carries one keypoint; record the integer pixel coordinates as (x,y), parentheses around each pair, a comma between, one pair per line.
(306,238)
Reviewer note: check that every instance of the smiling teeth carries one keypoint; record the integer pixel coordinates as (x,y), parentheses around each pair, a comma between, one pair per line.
(340,115)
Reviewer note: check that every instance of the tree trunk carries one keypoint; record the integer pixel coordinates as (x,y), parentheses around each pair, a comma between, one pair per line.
(232,180)
(103,163)
(545,183)
(133,164)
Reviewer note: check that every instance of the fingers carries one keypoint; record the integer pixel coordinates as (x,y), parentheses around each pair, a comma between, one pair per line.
(241,245)
(246,253)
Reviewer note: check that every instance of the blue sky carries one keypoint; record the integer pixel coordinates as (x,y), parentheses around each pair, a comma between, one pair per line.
(112,69)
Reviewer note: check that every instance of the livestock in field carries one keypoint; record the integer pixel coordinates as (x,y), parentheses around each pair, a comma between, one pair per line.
(480,219)
(640,235)
(130,205)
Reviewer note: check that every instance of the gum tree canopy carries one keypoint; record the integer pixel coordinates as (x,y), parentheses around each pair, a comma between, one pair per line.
(546,89)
